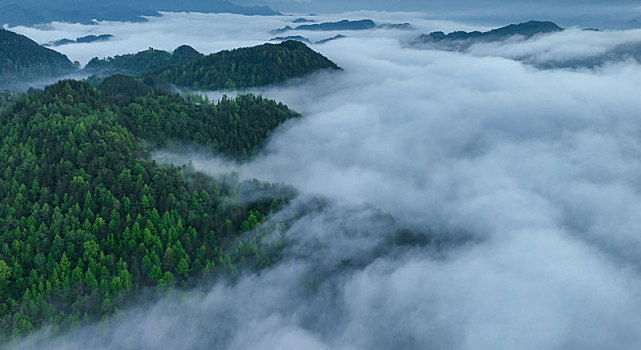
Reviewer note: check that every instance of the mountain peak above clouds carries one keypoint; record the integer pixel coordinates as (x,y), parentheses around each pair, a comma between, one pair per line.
(32,12)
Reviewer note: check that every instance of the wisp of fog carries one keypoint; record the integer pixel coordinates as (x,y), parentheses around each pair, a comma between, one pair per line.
(459,200)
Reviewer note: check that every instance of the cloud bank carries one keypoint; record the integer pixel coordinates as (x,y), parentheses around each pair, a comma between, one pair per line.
(207,33)
(570,48)
(520,189)
(592,13)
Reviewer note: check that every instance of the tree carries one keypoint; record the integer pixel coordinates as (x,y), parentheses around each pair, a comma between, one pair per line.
(76,241)
(5,273)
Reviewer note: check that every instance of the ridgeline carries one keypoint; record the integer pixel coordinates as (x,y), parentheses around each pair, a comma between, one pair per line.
(88,219)
(230,69)
(23,60)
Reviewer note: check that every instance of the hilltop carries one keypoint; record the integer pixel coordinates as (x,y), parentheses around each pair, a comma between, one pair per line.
(23,60)
(31,12)
(88,218)
(229,69)
(461,39)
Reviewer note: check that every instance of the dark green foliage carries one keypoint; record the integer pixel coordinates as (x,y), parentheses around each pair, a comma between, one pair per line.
(143,62)
(86,218)
(122,89)
(235,128)
(140,63)
(185,54)
(30,12)
(93,38)
(240,68)
(22,59)
(82,39)
(248,67)
(292,37)
(7,97)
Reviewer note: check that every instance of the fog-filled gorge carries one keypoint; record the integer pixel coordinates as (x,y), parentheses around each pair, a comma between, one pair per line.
(448,199)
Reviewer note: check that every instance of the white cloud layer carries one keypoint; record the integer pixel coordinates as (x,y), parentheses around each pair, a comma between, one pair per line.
(570,48)
(205,32)
(539,171)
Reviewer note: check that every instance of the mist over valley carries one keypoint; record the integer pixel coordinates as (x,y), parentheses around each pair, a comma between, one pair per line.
(429,178)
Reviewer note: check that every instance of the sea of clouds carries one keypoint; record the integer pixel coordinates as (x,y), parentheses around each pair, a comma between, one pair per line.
(521,187)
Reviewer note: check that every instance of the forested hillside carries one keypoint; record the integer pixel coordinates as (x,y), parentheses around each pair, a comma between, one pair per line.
(6,98)
(232,127)
(30,12)
(460,39)
(248,67)
(240,68)
(23,60)
(142,62)
(87,218)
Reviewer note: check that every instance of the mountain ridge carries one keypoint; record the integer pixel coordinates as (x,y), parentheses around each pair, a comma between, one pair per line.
(31,12)
(246,67)
(460,39)
(23,60)
(89,219)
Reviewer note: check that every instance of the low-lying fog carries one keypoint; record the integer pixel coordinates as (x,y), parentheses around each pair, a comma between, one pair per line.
(530,179)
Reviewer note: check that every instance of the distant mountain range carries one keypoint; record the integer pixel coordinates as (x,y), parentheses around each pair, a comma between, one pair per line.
(628,51)
(306,40)
(401,26)
(363,24)
(335,37)
(303,20)
(461,40)
(292,37)
(82,39)
(31,12)
(22,60)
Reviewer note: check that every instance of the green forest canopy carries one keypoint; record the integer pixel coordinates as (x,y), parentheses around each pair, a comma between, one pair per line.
(22,59)
(235,128)
(230,69)
(143,62)
(87,218)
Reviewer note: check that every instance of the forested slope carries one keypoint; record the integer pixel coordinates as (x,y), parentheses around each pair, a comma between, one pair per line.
(461,40)
(235,128)
(87,219)
(142,62)
(22,60)
(230,69)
